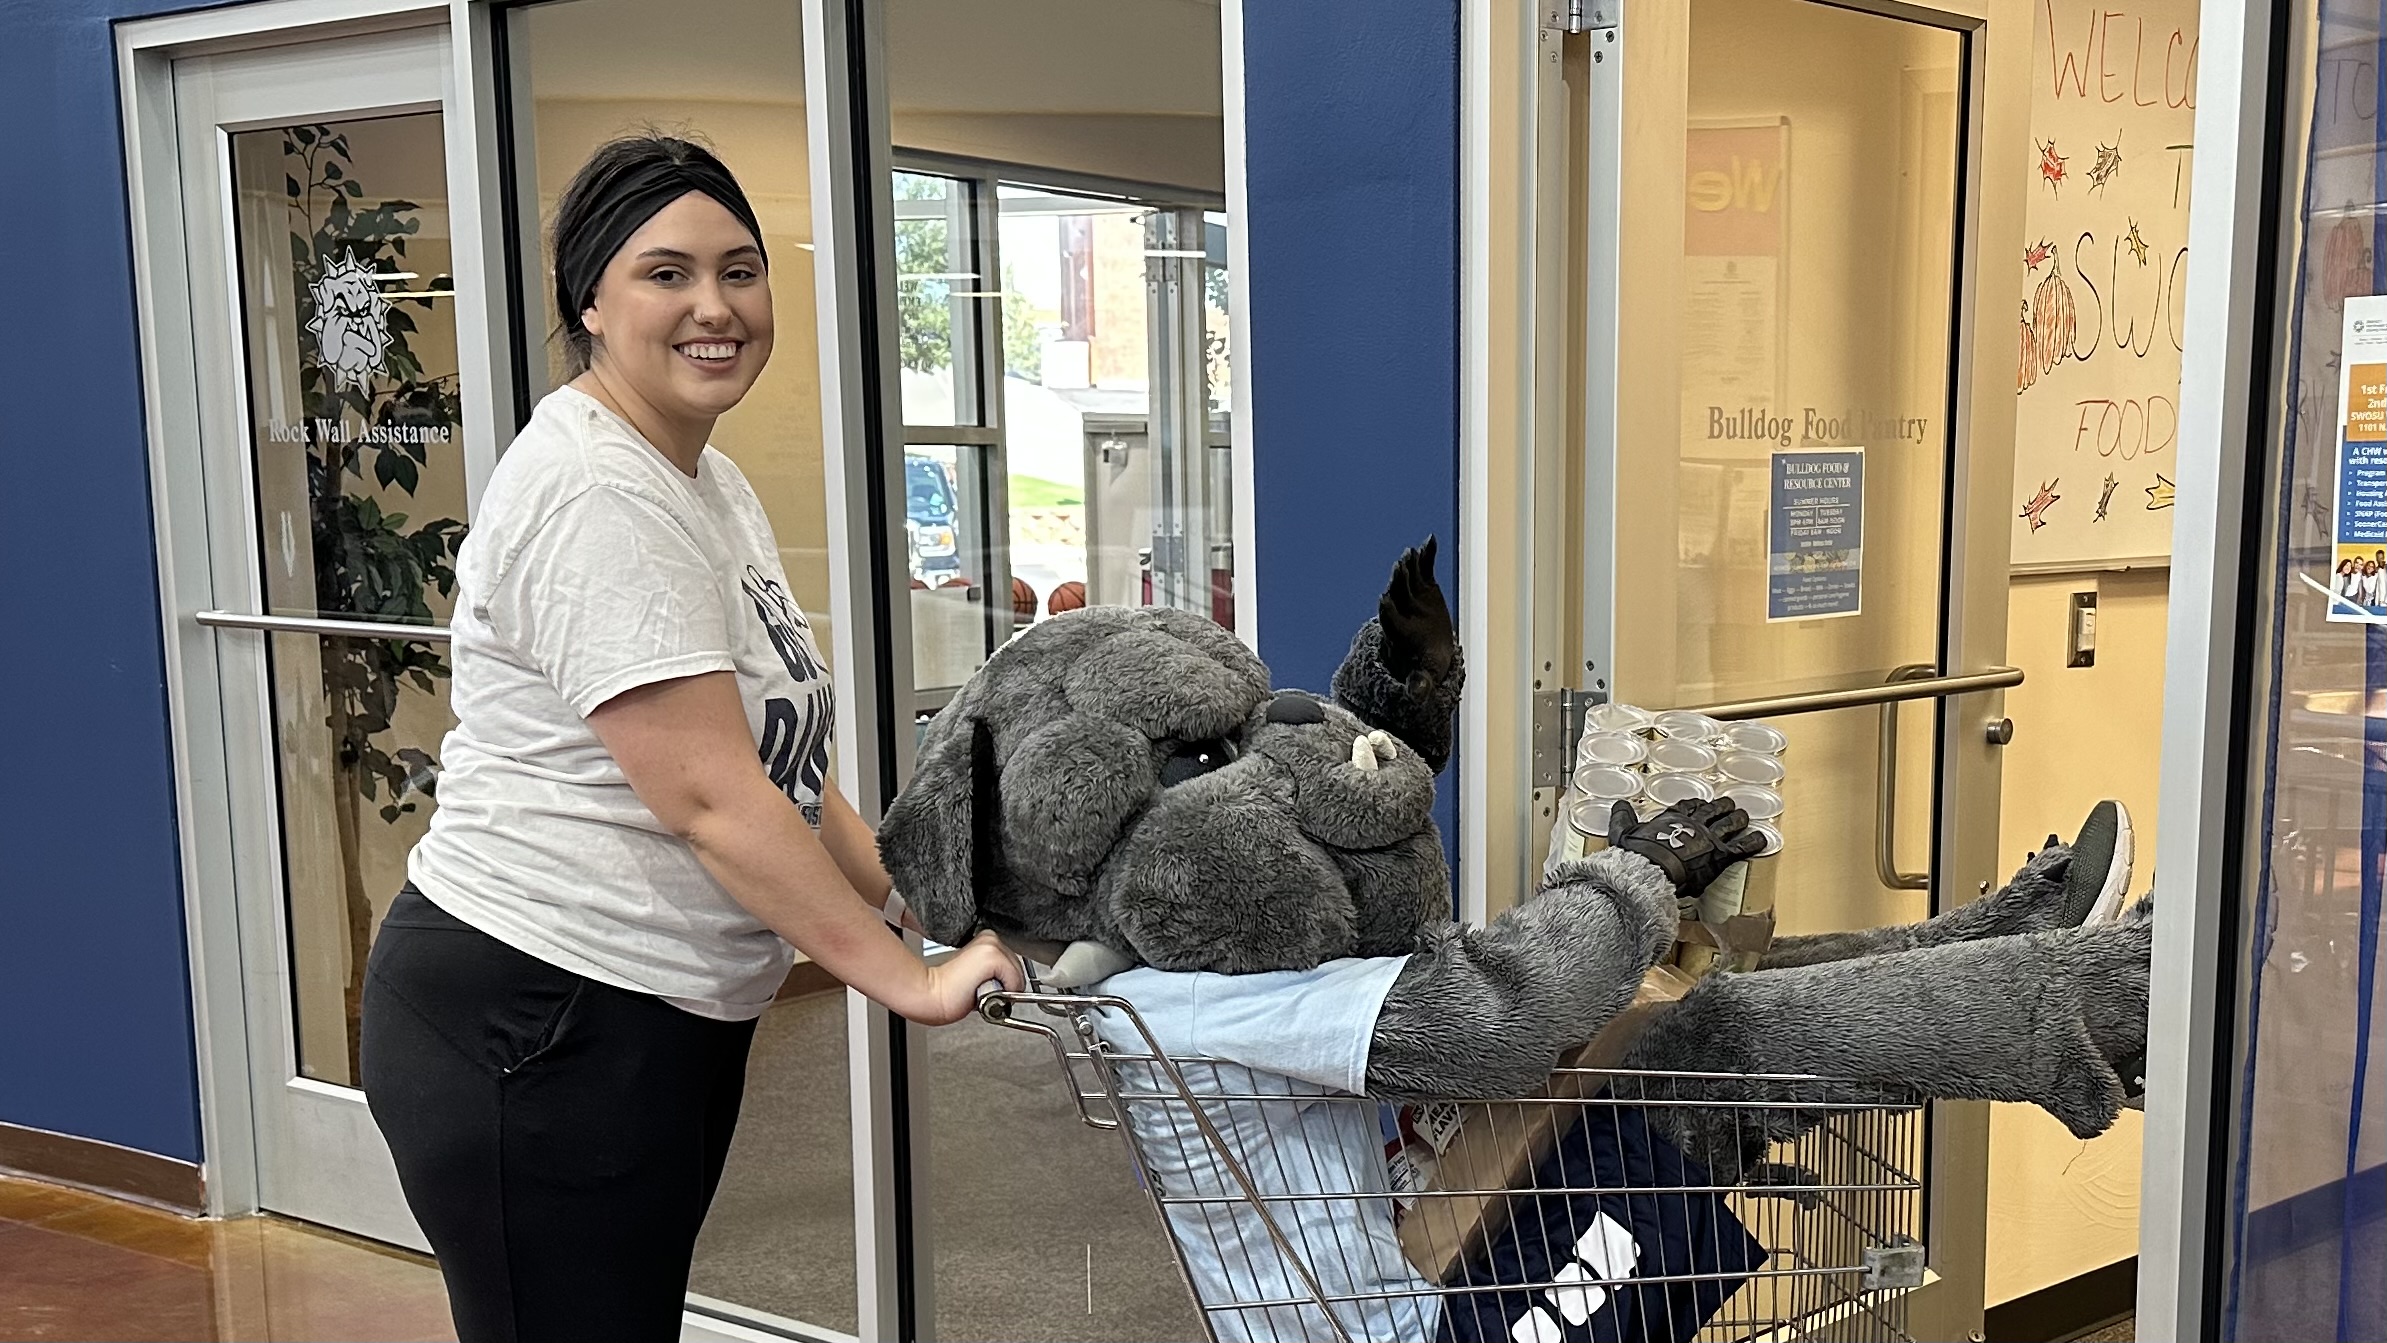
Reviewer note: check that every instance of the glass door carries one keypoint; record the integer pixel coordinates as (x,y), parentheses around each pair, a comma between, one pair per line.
(1784,415)
(778,1249)
(1063,376)
(335,409)
(1065,390)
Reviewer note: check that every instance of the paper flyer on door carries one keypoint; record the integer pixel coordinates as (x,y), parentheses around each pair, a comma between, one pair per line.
(2358,553)
(1815,534)
(2359,516)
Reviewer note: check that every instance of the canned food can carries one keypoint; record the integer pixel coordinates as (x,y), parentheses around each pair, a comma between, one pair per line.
(1748,767)
(1757,893)
(1665,790)
(1611,748)
(1755,737)
(1763,804)
(1680,757)
(1687,725)
(1607,784)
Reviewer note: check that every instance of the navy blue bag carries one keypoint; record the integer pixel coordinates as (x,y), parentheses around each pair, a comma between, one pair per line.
(1582,1239)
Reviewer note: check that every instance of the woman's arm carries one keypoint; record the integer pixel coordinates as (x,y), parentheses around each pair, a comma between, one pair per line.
(854,848)
(685,748)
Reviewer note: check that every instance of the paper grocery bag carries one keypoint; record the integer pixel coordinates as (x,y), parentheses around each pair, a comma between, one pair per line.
(1495,1145)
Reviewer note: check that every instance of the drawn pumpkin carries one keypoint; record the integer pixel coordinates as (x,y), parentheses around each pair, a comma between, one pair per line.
(2054,322)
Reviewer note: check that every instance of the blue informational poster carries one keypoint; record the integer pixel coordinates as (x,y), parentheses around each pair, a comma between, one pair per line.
(1815,534)
(2358,557)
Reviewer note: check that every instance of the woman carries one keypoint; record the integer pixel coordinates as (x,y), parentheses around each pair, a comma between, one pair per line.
(635,822)
(2349,580)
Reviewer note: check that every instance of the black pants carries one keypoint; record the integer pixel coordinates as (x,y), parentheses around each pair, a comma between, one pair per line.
(558,1139)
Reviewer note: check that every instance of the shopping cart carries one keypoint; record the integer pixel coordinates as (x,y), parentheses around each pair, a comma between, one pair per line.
(1281,1233)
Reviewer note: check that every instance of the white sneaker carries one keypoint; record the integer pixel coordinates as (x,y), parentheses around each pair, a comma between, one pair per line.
(2101,857)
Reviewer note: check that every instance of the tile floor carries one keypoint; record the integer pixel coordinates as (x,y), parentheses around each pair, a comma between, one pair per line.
(80,1266)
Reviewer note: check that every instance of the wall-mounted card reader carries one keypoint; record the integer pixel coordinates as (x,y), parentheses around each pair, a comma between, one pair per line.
(2081,640)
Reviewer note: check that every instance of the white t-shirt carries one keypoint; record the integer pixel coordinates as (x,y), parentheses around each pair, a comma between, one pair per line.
(595,566)
(1302,1035)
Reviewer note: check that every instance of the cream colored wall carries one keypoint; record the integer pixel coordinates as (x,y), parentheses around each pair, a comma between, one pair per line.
(2059,1207)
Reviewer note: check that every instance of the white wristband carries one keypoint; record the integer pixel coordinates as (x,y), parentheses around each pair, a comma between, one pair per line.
(894,910)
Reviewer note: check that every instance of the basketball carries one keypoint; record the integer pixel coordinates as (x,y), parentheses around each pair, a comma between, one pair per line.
(1023,598)
(1068,596)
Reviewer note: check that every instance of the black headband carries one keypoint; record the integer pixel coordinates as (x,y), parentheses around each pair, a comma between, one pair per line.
(620,204)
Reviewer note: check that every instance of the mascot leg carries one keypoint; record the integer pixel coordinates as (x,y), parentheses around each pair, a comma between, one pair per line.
(2057,888)
(2045,1018)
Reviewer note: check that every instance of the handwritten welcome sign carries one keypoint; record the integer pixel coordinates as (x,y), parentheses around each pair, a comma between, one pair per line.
(2098,338)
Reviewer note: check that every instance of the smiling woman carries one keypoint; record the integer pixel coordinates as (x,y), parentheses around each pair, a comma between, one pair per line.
(659,276)
(637,822)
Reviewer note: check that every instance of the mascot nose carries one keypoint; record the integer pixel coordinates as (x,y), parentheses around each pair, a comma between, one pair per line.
(1295,709)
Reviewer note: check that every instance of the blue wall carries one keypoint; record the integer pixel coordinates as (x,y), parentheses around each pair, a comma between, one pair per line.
(1352,161)
(95,1028)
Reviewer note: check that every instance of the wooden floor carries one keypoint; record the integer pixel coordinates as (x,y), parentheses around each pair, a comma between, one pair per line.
(79,1266)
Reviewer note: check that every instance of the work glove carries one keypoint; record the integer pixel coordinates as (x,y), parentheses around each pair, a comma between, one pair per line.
(1420,643)
(1691,842)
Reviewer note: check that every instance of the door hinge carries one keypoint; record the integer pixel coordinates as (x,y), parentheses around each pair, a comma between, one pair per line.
(1557,722)
(1580,16)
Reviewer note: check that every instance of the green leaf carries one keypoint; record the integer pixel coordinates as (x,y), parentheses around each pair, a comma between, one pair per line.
(304,134)
(388,813)
(290,186)
(407,474)
(355,190)
(331,172)
(382,472)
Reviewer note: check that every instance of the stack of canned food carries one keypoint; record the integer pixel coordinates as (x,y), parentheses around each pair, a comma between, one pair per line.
(1628,754)
(1654,760)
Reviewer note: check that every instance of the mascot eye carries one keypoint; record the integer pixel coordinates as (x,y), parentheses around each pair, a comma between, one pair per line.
(1193,759)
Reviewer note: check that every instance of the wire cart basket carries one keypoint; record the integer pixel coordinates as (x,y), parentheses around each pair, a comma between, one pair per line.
(1292,1217)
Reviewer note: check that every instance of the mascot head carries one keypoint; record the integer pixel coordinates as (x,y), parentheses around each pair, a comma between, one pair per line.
(1125,777)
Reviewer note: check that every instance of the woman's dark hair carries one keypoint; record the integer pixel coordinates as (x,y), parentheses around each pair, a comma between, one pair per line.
(621,187)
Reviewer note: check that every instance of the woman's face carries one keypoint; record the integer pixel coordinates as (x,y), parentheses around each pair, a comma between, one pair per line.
(682,315)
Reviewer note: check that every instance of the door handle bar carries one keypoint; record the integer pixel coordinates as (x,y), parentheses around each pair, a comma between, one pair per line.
(1919,680)
(1885,797)
(338,629)
(1915,681)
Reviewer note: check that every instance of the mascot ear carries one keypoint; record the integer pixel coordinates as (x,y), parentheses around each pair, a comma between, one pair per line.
(938,840)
